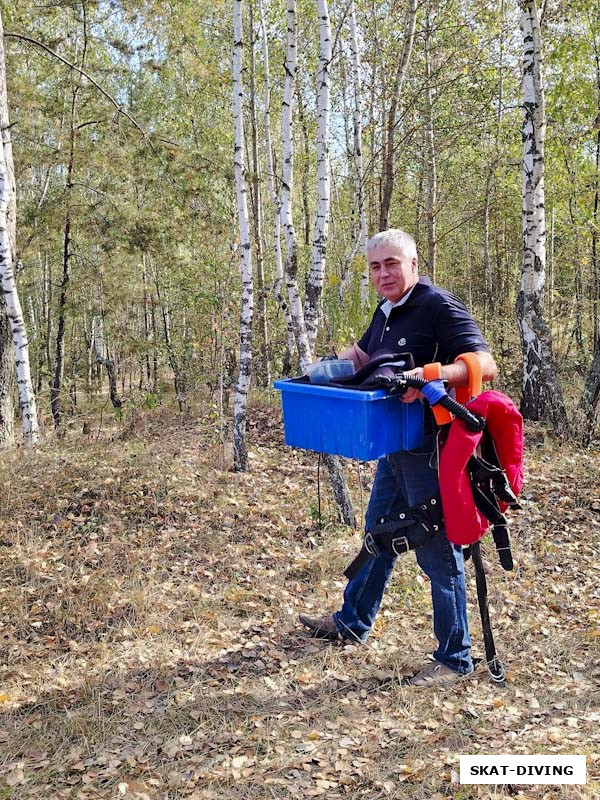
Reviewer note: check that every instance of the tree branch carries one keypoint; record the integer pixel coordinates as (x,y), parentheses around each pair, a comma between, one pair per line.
(41,45)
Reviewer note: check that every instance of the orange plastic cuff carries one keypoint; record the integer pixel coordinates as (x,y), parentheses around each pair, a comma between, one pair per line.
(466,393)
(433,372)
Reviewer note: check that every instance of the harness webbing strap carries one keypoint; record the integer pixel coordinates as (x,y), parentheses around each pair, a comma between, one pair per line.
(396,534)
(494,665)
(489,485)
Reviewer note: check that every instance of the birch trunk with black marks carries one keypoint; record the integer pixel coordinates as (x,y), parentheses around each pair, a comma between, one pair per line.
(15,314)
(278,282)
(357,150)
(287,177)
(339,485)
(304,170)
(7,366)
(59,355)
(7,356)
(10,298)
(392,121)
(240,453)
(542,395)
(314,284)
(431,158)
(264,376)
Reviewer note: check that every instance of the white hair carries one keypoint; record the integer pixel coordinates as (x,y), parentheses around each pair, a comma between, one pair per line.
(396,238)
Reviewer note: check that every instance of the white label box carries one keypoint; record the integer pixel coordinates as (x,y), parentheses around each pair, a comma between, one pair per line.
(533,769)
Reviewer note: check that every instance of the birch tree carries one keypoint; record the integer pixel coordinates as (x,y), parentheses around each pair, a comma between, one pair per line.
(240,454)
(7,361)
(333,465)
(287,177)
(272,189)
(10,295)
(314,285)
(542,394)
(7,358)
(15,314)
(257,213)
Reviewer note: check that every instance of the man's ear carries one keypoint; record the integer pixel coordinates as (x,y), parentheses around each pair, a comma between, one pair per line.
(415,264)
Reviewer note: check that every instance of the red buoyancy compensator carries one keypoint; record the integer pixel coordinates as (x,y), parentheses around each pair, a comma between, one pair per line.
(464,521)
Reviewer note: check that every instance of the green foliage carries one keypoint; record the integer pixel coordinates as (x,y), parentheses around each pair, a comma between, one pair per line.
(154,229)
(150,401)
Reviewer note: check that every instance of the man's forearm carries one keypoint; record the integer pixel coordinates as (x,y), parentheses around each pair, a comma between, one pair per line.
(457,374)
(358,357)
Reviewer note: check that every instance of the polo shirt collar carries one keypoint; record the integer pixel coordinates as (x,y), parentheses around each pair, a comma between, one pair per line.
(387,305)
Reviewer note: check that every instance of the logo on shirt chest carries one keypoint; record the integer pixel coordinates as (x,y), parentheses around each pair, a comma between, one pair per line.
(402,342)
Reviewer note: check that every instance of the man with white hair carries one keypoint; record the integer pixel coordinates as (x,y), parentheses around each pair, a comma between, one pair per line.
(434,326)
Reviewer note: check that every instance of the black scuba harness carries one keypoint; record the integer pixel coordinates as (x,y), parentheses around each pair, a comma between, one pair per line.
(396,534)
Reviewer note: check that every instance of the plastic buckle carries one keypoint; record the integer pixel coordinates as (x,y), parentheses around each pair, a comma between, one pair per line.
(403,539)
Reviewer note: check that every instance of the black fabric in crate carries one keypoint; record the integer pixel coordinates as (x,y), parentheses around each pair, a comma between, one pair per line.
(382,362)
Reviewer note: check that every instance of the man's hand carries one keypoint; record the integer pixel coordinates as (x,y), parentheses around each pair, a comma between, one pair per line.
(410,395)
(358,357)
(456,374)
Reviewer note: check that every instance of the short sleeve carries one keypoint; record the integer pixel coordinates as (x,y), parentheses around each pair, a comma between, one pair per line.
(456,328)
(365,339)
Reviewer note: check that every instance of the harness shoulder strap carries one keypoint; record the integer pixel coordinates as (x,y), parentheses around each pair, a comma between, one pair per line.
(494,665)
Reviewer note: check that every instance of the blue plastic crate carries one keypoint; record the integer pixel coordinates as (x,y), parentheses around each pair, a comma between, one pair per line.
(347,422)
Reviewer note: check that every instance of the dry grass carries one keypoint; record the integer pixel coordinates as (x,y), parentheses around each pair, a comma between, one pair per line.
(149,646)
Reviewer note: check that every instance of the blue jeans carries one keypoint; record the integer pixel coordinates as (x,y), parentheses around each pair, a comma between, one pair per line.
(402,480)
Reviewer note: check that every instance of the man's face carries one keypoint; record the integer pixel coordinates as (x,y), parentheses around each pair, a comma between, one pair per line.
(392,273)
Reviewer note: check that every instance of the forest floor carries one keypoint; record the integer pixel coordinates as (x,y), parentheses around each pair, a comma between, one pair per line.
(149,646)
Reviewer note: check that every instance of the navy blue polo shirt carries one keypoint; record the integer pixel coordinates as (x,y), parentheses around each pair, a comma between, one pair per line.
(432,324)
